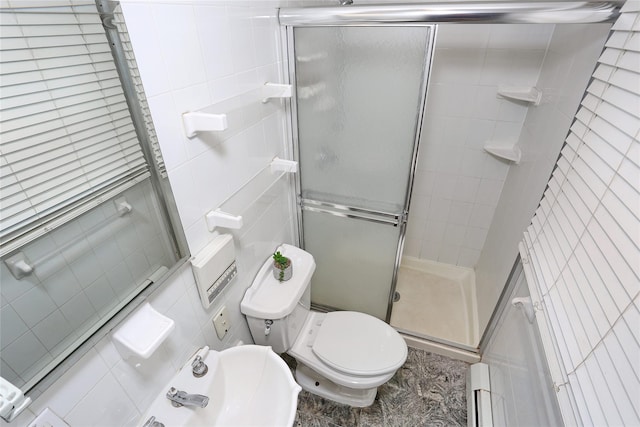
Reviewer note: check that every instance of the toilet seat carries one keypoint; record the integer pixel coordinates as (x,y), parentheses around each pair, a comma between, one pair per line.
(359,344)
(303,351)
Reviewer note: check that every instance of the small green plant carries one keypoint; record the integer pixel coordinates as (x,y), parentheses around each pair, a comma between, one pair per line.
(281,262)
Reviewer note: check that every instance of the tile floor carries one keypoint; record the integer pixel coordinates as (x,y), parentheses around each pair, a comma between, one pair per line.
(429,390)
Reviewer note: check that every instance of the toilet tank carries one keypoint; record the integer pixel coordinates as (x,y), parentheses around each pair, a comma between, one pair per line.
(276,311)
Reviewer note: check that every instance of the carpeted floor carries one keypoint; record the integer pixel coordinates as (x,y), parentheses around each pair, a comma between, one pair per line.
(429,390)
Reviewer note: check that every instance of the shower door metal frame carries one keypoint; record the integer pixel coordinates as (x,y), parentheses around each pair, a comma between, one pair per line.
(499,12)
(395,219)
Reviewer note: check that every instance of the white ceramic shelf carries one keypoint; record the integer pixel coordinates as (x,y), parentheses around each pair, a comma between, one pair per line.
(214,118)
(230,212)
(142,333)
(512,154)
(531,95)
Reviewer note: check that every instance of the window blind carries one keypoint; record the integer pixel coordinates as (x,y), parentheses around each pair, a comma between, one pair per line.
(581,252)
(67,140)
(127,47)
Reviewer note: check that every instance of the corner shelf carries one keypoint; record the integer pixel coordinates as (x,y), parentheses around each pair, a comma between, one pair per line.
(511,154)
(214,117)
(527,94)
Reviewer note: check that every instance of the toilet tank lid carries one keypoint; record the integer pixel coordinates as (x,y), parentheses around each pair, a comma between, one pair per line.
(268,298)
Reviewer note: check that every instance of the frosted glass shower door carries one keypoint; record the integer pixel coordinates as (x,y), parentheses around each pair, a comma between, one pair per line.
(359,96)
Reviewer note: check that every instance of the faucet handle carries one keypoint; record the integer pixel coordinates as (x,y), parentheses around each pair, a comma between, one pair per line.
(199,368)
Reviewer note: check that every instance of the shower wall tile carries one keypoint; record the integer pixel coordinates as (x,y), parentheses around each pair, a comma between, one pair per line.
(521,37)
(181,47)
(213,25)
(463,114)
(468,256)
(463,36)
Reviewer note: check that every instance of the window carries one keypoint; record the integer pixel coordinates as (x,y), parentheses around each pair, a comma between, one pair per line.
(83,185)
(68,140)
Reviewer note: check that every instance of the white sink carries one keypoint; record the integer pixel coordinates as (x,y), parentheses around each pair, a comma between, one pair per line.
(249,385)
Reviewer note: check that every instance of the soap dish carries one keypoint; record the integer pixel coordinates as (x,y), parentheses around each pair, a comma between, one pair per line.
(142,333)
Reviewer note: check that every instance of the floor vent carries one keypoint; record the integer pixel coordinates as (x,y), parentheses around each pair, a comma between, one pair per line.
(479,396)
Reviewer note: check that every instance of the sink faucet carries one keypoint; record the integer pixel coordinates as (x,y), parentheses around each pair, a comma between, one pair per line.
(151,422)
(180,398)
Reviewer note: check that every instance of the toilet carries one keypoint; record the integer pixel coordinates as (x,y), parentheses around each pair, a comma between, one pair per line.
(343,355)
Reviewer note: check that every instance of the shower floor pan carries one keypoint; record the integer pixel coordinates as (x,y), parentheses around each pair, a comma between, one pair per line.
(436,300)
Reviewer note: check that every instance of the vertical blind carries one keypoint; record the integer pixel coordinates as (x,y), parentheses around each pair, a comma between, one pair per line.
(67,139)
(581,252)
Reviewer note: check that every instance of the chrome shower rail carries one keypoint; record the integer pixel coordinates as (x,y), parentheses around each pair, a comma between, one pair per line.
(549,12)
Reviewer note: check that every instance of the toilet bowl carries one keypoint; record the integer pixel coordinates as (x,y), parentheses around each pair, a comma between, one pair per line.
(343,355)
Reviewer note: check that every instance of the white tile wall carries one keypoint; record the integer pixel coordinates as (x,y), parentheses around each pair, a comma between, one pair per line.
(190,55)
(571,57)
(458,185)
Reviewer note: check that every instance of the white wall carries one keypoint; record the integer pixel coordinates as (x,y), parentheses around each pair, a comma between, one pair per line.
(190,55)
(457,184)
(571,57)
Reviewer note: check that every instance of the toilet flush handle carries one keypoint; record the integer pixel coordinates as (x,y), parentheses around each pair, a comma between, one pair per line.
(267,327)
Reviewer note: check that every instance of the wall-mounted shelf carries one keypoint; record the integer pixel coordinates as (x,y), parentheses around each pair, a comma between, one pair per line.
(198,121)
(222,117)
(510,153)
(230,213)
(142,333)
(528,94)
(275,90)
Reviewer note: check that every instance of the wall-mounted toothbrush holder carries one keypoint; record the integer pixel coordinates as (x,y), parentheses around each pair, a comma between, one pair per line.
(230,213)
(526,94)
(222,116)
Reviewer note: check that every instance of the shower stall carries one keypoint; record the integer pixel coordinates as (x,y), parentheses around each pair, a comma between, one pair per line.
(397,154)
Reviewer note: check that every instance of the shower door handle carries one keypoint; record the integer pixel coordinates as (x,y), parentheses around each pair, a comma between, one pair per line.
(344,211)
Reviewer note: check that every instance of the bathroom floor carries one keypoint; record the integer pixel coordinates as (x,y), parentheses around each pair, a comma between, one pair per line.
(429,390)
(434,303)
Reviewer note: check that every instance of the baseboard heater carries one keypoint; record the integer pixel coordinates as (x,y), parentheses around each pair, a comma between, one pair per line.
(479,396)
